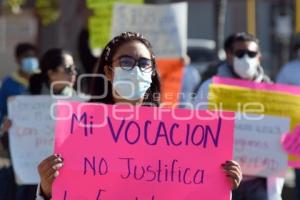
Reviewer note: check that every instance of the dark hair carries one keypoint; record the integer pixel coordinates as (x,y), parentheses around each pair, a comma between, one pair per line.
(244,37)
(98,84)
(228,44)
(23,48)
(87,59)
(238,37)
(51,60)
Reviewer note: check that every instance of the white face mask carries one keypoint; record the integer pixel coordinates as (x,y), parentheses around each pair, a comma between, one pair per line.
(245,67)
(67,91)
(131,84)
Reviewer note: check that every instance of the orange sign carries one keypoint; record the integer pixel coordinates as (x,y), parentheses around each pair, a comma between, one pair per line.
(171,76)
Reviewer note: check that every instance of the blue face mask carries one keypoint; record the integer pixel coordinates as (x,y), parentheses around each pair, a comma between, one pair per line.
(30,65)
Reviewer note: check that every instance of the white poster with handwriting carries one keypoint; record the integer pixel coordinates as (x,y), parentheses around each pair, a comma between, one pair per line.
(257,145)
(165,26)
(31,135)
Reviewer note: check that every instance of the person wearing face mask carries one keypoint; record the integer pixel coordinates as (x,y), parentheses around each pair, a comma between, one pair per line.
(243,59)
(128,66)
(243,62)
(57,76)
(290,74)
(15,84)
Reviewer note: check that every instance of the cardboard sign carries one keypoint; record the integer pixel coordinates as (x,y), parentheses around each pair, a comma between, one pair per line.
(166,29)
(31,137)
(257,144)
(99,25)
(281,88)
(290,141)
(247,100)
(125,152)
(171,75)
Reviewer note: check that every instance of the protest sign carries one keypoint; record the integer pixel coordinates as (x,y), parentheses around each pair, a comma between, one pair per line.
(290,141)
(247,100)
(96,4)
(171,75)
(166,29)
(125,152)
(99,25)
(281,88)
(257,144)
(31,137)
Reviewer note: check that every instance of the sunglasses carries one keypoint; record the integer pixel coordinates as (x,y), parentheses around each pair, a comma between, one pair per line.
(242,53)
(70,70)
(128,63)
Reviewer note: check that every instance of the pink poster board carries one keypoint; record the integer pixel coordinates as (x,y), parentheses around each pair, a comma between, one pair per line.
(291,144)
(148,153)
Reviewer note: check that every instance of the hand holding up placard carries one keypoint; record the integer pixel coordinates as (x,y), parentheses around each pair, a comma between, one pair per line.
(141,156)
(291,142)
(48,171)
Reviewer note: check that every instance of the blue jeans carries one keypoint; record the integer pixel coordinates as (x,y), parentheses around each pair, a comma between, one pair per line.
(7,184)
(255,189)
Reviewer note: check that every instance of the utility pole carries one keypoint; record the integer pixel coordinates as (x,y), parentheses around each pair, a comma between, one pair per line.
(251,17)
(220,9)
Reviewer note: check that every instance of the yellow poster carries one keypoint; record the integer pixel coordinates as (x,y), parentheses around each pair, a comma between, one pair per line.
(48,11)
(95,4)
(239,99)
(99,25)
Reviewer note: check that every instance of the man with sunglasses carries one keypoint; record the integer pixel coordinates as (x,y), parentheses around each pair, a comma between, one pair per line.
(243,59)
(243,62)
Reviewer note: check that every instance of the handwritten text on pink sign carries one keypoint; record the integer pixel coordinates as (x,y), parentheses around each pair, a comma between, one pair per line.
(137,156)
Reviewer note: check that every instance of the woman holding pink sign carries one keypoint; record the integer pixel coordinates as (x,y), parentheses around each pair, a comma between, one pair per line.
(126,58)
